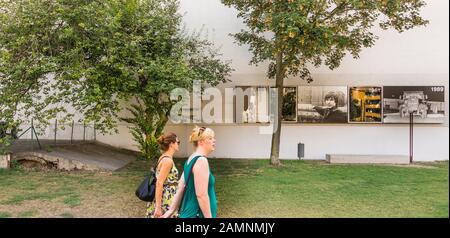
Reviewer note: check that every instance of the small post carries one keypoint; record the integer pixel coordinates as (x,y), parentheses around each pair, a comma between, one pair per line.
(23,133)
(5,161)
(95,133)
(411,137)
(37,138)
(84,131)
(71,134)
(32,131)
(56,129)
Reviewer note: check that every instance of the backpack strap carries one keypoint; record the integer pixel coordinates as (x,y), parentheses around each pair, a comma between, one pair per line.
(159,161)
(194,160)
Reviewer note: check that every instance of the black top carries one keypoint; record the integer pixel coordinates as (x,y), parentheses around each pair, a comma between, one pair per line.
(332,115)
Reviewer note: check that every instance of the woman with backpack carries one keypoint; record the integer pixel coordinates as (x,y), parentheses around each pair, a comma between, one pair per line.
(167,177)
(197,195)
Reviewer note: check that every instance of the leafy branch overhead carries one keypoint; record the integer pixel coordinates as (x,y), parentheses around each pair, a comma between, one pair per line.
(317,32)
(100,57)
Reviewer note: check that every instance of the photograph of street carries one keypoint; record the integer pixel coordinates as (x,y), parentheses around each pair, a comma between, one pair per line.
(425,103)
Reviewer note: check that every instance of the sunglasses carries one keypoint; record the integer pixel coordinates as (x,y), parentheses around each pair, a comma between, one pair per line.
(201,130)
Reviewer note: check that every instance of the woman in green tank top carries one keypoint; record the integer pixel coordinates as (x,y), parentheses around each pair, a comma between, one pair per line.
(198,197)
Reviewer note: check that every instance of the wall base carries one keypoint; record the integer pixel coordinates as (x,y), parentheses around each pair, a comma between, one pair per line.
(367,159)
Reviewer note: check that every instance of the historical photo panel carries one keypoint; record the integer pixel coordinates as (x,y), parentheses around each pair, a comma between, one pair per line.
(365,105)
(322,104)
(251,105)
(425,103)
(290,104)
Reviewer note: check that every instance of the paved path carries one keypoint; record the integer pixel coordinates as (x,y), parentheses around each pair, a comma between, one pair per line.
(93,154)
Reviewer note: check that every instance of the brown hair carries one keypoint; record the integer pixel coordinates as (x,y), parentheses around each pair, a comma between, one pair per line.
(164,141)
(338,97)
(200,133)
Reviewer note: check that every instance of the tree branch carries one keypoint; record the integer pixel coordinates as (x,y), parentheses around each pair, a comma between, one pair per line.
(341,7)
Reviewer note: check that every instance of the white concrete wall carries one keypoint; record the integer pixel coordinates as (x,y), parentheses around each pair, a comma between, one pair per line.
(244,141)
(417,57)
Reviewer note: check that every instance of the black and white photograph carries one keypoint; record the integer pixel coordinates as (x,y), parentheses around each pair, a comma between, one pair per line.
(322,104)
(365,104)
(290,104)
(425,103)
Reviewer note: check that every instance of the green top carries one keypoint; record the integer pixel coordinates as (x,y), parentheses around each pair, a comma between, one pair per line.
(190,207)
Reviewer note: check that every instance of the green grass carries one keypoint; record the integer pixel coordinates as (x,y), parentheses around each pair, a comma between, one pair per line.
(244,188)
(67,215)
(18,199)
(5,215)
(27,214)
(72,201)
(312,189)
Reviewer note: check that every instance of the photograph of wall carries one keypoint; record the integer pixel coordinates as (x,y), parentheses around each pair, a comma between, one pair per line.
(365,105)
(322,104)
(426,103)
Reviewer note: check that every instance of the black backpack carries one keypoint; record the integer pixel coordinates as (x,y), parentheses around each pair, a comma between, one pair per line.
(146,191)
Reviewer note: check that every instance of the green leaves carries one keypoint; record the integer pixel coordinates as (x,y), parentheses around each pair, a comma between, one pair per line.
(103,56)
(316,32)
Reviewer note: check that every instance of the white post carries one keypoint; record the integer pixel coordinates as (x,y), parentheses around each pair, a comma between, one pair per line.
(5,161)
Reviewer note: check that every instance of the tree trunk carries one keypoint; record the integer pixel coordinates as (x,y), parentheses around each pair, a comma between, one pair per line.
(275,151)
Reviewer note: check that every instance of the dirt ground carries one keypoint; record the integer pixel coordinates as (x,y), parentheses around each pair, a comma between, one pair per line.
(37,192)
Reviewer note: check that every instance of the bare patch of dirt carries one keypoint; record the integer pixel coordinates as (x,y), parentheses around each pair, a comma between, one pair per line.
(47,209)
(30,165)
(91,206)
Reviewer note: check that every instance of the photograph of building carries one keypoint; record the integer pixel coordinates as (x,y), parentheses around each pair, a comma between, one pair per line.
(365,105)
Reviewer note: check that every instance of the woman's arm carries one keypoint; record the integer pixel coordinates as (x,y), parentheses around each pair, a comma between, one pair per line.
(201,180)
(166,166)
(320,110)
(177,199)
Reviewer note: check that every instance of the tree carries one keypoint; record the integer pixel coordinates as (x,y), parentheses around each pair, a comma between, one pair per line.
(294,35)
(100,57)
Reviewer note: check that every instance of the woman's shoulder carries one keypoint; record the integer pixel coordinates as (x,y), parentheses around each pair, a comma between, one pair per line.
(201,157)
(166,160)
(202,161)
(194,156)
(198,158)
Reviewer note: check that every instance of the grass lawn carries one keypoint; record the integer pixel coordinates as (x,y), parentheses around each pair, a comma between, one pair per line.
(245,188)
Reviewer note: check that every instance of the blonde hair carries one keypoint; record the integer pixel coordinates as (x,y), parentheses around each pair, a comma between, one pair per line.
(201,133)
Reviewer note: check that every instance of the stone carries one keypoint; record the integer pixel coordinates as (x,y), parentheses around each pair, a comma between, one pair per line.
(56,162)
(5,161)
(367,159)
